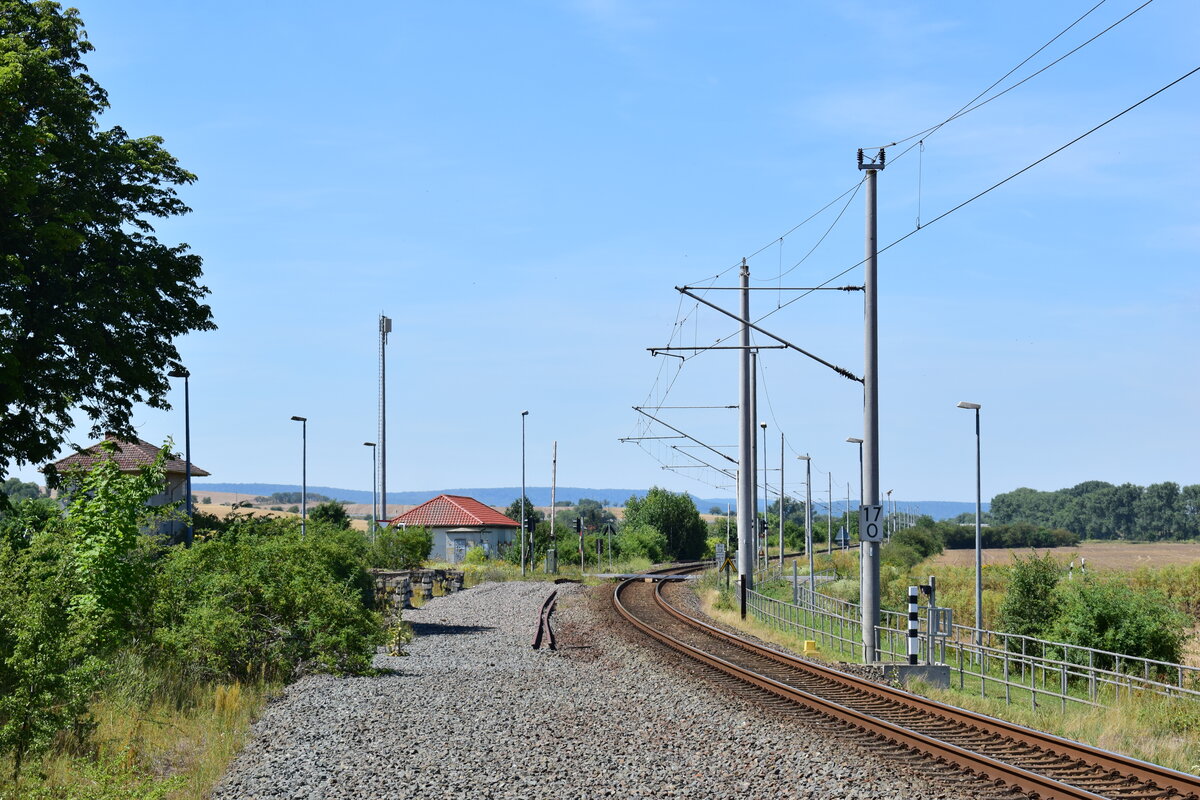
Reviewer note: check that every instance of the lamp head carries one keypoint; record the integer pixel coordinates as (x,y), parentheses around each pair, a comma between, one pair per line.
(804,458)
(524,413)
(852,440)
(299,419)
(368,444)
(179,372)
(762,425)
(965,404)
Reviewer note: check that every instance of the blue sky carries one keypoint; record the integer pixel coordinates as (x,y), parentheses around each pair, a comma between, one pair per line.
(521,185)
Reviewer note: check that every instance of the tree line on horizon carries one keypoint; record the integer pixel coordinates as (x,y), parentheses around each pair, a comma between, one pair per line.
(1099,510)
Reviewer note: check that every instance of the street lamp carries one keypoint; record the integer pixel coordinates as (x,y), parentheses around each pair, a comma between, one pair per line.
(524,414)
(182,372)
(978,537)
(374,477)
(858,442)
(303,472)
(808,544)
(766,496)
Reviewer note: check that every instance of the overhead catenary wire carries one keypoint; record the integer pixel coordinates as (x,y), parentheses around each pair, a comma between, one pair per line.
(974,104)
(993,187)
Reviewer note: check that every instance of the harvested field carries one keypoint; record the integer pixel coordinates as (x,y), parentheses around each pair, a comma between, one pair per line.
(1124,556)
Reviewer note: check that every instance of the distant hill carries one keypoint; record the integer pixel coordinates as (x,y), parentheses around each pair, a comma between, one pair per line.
(540,496)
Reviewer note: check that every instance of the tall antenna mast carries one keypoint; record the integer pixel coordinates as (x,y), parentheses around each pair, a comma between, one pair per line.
(385,327)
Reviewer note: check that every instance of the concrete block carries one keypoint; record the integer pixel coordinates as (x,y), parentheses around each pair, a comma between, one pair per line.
(933,674)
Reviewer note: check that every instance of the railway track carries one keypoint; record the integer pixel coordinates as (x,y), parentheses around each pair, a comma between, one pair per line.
(1003,758)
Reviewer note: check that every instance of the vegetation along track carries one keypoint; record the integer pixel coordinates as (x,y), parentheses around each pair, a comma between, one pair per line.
(1000,753)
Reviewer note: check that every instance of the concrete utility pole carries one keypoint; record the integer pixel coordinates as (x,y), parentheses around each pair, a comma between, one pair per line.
(829,518)
(553,505)
(524,513)
(781,503)
(385,327)
(762,525)
(870,558)
(754,451)
(745,498)
(808,540)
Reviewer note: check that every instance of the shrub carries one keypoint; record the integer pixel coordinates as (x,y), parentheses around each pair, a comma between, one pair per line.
(331,513)
(1030,604)
(400,548)
(640,540)
(476,555)
(1104,613)
(925,542)
(265,606)
(47,671)
(900,555)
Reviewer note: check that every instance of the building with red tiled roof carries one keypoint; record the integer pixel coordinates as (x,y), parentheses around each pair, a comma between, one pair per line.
(459,523)
(130,456)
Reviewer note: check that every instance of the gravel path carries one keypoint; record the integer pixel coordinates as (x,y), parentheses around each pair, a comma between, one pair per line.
(474,711)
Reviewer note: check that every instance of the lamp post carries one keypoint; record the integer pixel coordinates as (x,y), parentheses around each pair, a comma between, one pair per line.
(808,543)
(187,449)
(858,442)
(524,414)
(303,472)
(374,481)
(978,537)
(888,507)
(762,525)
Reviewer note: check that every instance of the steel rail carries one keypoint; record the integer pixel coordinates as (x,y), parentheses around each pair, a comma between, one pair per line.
(1144,771)
(1044,786)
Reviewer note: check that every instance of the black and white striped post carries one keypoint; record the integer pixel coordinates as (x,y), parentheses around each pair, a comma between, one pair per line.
(913,642)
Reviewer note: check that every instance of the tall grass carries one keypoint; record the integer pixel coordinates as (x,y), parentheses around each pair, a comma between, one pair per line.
(155,736)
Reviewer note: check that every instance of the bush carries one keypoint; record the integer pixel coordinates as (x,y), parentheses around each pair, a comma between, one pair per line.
(47,671)
(1031,603)
(925,542)
(400,548)
(900,555)
(251,607)
(476,555)
(1104,613)
(644,541)
(331,513)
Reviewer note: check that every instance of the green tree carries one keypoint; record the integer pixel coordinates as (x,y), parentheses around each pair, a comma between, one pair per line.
(595,515)
(532,515)
(93,300)
(331,513)
(1031,604)
(16,489)
(672,514)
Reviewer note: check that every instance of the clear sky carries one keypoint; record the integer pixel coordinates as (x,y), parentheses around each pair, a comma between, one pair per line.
(520,186)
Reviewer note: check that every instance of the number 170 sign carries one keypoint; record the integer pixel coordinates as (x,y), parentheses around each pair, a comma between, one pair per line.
(870,525)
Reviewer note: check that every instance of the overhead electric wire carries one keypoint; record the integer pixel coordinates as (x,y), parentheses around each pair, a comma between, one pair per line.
(973,105)
(994,186)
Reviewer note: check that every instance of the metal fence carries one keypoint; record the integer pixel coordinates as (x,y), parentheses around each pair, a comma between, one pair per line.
(1020,669)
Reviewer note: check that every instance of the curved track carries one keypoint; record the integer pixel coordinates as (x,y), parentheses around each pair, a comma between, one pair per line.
(1034,763)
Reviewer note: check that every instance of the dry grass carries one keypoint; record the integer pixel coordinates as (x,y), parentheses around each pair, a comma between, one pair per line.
(153,750)
(1119,556)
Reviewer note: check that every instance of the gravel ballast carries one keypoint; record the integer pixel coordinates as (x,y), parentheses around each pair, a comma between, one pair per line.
(474,711)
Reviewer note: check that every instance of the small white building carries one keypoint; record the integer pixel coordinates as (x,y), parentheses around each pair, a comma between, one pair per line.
(460,523)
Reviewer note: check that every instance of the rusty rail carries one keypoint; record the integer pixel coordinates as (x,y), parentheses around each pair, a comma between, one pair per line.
(1117,775)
